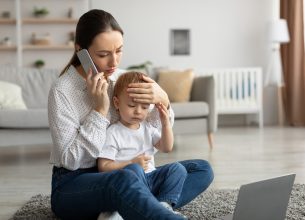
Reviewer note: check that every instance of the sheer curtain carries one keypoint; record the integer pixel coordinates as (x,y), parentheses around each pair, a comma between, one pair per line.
(293,56)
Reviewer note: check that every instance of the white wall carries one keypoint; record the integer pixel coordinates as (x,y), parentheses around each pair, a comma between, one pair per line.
(224,33)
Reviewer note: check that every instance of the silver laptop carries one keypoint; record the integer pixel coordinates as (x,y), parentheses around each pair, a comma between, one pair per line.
(263,200)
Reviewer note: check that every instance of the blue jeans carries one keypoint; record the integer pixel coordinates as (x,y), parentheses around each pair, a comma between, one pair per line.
(166,182)
(199,176)
(84,193)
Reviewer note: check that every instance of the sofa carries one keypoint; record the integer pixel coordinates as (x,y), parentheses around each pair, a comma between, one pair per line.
(199,114)
(193,100)
(35,85)
(25,125)
(196,116)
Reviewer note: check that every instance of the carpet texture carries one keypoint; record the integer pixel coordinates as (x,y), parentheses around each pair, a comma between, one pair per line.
(207,206)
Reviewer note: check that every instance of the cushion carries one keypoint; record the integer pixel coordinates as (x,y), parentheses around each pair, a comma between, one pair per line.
(177,84)
(35,83)
(11,96)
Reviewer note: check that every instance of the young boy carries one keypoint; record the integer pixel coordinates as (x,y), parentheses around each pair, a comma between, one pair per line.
(133,140)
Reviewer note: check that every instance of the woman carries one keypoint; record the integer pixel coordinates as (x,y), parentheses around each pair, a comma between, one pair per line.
(79,113)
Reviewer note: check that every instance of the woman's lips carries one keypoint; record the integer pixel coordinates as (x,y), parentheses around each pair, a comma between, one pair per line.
(110,71)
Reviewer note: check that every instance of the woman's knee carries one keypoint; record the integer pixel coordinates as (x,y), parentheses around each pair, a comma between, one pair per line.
(126,182)
(205,166)
(125,175)
(199,165)
(135,167)
(178,168)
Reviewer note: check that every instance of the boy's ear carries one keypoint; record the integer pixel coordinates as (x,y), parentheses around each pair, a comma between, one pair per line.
(116,102)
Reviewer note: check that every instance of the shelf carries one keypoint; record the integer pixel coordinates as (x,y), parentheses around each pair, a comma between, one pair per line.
(8,48)
(20,23)
(7,21)
(47,47)
(49,21)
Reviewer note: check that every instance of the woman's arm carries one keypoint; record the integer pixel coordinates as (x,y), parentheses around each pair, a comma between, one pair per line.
(77,133)
(75,144)
(165,144)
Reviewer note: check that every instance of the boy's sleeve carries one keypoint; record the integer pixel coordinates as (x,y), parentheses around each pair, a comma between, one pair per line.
(110,149)
(155,135)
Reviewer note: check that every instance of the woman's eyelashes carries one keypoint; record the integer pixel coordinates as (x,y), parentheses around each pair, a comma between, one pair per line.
(105,54)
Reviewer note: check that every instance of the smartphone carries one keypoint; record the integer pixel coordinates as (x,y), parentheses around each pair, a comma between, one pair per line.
(86,61)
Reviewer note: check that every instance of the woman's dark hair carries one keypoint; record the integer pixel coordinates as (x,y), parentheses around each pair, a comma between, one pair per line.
(89,25)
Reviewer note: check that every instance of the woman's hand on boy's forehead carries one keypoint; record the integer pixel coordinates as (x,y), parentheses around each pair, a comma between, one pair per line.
(149,92)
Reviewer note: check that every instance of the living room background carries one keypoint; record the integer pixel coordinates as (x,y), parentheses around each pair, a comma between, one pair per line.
(223,34)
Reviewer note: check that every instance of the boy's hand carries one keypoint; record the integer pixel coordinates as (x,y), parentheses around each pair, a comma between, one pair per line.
(164,115)
(142,160)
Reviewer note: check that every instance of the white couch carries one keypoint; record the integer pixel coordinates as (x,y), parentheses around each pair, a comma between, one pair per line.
(35,84)
(196,116)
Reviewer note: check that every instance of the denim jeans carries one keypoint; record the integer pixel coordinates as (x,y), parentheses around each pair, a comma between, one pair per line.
(166,182)
(199,176)
(84,193)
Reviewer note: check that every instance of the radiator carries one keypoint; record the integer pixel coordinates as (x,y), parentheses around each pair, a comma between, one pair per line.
(238,91)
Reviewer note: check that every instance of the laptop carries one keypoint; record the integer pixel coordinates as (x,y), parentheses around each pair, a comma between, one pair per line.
(263,200)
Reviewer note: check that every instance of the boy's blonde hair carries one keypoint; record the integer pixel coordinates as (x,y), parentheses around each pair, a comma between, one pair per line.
(125,79)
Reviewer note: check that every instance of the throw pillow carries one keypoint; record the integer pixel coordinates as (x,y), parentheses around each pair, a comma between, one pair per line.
(11,96)
(177,84)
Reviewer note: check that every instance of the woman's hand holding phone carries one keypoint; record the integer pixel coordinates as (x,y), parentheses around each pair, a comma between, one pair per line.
(97,87)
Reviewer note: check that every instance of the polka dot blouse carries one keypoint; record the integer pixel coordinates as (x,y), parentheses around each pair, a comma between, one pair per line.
(78,131)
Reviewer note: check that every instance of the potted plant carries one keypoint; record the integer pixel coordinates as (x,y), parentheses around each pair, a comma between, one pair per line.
(145,67)
(6,41)
(40,12)
(39,63)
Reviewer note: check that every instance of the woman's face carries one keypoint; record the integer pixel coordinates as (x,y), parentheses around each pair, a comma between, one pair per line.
(106,51)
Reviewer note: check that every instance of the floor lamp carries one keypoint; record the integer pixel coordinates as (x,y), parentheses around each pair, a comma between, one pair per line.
(278,35)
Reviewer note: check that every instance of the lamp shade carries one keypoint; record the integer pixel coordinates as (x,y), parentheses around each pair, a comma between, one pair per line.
(279,31)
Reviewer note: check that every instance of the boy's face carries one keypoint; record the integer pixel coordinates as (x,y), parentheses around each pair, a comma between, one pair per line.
(131,113)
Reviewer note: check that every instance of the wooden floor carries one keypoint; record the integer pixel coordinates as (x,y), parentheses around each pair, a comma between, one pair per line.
(240,155)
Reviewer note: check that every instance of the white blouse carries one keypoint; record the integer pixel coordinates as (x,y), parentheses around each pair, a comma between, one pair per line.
(78,131)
